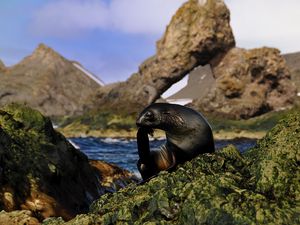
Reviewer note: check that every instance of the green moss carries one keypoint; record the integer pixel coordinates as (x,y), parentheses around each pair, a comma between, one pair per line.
(260,187)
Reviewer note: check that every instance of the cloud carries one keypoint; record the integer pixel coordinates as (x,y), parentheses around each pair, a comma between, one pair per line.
(72,17)
(272,23)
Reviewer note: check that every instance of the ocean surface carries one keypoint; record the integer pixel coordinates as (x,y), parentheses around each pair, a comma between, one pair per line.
(123,152)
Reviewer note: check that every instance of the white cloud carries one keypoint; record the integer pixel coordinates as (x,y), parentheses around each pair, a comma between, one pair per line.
(69,17)
(273,23)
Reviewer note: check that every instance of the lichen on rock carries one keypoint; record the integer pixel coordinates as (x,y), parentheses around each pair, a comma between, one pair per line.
(259,187)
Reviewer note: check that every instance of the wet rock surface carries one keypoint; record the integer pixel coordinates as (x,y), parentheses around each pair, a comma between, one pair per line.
(259,187)
(42,172)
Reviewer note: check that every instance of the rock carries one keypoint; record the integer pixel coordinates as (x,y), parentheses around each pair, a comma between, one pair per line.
(42,172)
(2,66)
(18,218)
(198,32)
(47,82)
(293,63)
(260,187)
(112,177)
(249,83)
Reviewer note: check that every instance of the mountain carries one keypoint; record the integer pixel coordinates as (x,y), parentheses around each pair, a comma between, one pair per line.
(47,81)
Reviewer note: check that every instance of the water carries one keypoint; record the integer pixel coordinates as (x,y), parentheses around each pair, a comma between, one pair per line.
(123,152)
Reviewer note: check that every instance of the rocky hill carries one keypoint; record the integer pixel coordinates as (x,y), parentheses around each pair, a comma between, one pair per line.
(48,82)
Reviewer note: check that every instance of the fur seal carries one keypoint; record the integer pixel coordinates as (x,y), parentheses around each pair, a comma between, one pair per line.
(188,134)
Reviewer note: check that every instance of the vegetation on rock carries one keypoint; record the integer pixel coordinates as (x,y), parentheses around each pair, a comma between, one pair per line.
(259,187)
(42,172)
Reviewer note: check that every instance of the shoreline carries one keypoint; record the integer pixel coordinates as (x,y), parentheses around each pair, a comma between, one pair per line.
(218,135)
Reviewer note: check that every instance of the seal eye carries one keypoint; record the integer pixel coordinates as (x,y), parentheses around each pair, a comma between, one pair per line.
(149,116)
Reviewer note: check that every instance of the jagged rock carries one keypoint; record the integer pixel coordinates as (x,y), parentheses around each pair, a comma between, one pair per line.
(198,32)
(260,187)
(42,172)
(249,83)
(48,82)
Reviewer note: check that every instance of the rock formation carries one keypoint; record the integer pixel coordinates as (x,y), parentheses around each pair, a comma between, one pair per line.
(48,82)
(198,32)
(259,187)
(42,172)
(293,63)
(248,83)
(2,66)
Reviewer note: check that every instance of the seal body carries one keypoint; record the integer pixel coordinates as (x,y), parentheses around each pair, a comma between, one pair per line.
(188,134)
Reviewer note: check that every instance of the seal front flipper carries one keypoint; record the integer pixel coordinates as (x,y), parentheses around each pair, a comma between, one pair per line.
(144,163)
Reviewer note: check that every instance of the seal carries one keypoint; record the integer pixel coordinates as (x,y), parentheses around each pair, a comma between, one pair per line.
(188,134)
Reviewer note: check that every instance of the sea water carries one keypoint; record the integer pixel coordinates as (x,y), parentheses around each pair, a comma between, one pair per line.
(123,152)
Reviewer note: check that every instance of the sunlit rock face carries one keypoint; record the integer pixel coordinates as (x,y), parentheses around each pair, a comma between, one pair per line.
(198,31)
(248,83)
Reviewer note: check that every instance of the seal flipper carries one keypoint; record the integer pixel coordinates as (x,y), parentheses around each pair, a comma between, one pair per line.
(144,163)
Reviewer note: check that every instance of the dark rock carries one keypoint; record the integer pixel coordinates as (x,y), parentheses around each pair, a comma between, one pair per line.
(42,172)
(48,82)
(198,32)
(260,187)
(249,83)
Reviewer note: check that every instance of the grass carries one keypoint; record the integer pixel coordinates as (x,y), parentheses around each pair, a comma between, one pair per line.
(109,124)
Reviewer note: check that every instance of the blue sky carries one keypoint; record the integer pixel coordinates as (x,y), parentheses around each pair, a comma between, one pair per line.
(112,37)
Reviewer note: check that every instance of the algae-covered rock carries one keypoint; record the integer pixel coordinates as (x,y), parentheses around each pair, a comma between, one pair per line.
(42,172)
(261,187)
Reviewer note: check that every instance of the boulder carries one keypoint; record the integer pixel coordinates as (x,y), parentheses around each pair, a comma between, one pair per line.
(260,187)
(198,31)
(248,83)
(42,172)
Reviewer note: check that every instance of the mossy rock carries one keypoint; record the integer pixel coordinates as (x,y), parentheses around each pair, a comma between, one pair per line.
(260,187)
(39,169)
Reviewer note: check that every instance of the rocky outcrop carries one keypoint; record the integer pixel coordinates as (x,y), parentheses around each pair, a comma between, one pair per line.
(248,83)
(198,32)
(293,63)
(260,187)
(42,172)
(2,66)
(48,82)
